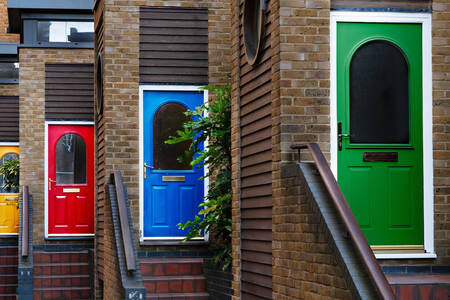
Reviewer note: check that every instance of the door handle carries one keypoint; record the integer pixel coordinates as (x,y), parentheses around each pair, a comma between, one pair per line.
(50,183)
(145,169)
(341,135)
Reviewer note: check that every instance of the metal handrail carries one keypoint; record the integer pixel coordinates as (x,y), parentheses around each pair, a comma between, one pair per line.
(349,221)
(25,220)
(130,257)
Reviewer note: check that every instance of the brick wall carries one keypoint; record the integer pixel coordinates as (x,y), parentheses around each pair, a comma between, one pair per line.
(121,98)
(32,122)
(441,128)
(6,37)
(9,90)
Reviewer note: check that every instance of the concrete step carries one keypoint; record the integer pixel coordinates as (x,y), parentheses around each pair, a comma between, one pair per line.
(182,296)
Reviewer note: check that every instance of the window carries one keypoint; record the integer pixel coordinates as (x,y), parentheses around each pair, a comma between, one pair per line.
(9,72)
(6,157)
(71,160)
(65,32)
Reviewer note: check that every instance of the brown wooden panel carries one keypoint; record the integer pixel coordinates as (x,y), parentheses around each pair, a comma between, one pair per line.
(256,213)
(257,257)
(262,280)
(383,4)
(69,92)
(9,119)
(173,45)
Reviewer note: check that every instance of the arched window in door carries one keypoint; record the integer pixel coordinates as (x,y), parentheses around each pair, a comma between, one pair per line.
(3,159)
(167,120)
(71,160)
(379,95)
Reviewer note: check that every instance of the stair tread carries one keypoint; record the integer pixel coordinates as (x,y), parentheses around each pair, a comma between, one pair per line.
(63,288)
(62,252)
(62,276)
(61,264)
(178,294)
(176,260)
(173,277)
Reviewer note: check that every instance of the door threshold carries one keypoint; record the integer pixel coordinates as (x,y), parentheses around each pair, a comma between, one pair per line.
(54,237)
(174,241)
(396,249)
(8,235)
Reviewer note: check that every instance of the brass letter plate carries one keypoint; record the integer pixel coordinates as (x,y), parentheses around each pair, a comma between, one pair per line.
(12,198)
(380,156)
(71,190)
(173,178)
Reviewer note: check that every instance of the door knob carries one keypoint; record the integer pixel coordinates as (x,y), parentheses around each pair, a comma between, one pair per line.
(50,183)
(341,135)
(145,169)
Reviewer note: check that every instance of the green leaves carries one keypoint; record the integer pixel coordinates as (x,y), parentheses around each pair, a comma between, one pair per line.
(211,125)
(10,172)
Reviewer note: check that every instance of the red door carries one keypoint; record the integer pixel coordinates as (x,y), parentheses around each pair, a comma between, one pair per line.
(70,179)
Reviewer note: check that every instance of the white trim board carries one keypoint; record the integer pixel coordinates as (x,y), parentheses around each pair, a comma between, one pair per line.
(46,170)
(11,144)
(427,117)
(169,88)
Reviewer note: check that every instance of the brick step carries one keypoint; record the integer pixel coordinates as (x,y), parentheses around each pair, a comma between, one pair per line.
(171,266)
(8,269)
(8,250)
(62,293)
(8,278)
(420,286)
(181,296)
(47,281)
(8,296)
(9,260)
(61,257)
(61,269)
(8,288)
(175,284)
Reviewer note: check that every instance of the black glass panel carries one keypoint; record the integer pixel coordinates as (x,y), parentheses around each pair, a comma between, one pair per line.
(71,160)
(168,119)
(379,99)
(8,156)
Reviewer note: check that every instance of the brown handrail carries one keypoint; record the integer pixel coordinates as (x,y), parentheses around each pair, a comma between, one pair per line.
(349,220)
(130,258)
(25,217)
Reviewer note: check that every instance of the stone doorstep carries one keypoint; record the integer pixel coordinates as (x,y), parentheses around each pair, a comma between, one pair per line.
(419,279)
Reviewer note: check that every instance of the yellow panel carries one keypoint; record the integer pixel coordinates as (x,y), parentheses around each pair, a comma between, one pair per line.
(9,203)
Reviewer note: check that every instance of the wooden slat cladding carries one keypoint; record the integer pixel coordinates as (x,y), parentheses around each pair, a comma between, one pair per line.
(173,45)
(9,119)
(383,4)
(256,169)
(100,153)
(69,91)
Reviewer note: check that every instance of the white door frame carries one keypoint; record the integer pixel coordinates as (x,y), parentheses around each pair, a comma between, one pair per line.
(167,88)
(46,178)
(427,116)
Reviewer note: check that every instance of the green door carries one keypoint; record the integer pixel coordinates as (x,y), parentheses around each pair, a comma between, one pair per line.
(379,115)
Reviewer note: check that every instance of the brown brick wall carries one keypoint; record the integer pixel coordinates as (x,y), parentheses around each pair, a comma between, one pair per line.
(121,98)
(32,122)
(6,37)
(9,90)
(441,128)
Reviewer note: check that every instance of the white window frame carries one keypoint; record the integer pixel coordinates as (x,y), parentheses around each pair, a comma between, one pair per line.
(65,235)
(166,88)
(427,116)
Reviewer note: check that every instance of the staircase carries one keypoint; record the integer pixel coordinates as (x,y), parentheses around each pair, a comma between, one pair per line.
(8,272)
(62,275)
(174,278)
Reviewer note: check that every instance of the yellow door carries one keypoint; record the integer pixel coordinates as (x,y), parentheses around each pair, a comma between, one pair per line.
(9,202)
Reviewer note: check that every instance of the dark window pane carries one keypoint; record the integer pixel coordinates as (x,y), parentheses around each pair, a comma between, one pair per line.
(71,160)
(65,32)
(8,156)
(9,71)
(168,119)
(379,99)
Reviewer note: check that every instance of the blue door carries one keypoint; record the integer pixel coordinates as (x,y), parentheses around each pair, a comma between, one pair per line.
(172,191)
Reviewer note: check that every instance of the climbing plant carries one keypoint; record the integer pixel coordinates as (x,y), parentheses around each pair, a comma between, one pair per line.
(211,123)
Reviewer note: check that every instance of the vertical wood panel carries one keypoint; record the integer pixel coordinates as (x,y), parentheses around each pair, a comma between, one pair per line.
(256,169)
(173,45)
(9,119)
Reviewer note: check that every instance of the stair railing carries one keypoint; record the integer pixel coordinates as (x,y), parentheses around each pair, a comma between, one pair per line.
(130,272)
(25,220)
(362,247)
